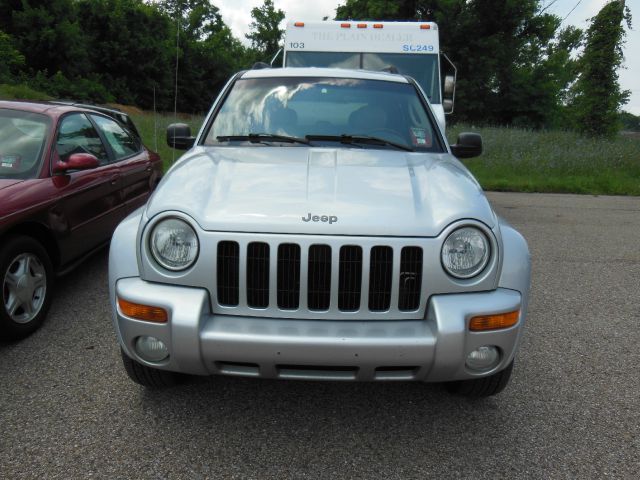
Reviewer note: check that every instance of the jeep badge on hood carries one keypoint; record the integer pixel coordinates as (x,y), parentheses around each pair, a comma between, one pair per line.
(320,218)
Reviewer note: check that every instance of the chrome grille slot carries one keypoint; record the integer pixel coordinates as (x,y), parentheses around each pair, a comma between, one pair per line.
(288,276)
(380,277)
(258,275)
(228,273)
(410,279)
(319,278)
(350,279)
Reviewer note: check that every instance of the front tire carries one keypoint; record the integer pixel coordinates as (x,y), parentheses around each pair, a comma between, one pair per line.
(147,376)
(482,387)
(26,279)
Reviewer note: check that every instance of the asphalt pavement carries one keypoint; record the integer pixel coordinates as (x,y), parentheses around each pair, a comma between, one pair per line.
(572,410)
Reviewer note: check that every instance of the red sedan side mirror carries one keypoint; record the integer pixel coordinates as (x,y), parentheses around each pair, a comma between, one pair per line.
(77,161)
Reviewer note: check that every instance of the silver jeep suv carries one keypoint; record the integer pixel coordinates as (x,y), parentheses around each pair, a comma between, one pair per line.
(320,227)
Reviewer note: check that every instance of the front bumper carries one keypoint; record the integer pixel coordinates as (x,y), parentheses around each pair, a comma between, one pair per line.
(432,349)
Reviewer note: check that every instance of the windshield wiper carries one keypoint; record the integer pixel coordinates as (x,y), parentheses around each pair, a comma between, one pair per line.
(359,139)
(260,138)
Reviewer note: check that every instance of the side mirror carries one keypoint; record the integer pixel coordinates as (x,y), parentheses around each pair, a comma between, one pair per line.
(469,145)
(448,93)
(447,105)
(448,83)
(77,161)
(449,86)
(179,136)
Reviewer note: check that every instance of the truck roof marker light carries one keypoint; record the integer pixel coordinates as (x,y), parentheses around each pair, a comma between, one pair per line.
(494,322)
(362,25)
(142,312)
(298,24)
(378,25)
(345,25)
(425,26)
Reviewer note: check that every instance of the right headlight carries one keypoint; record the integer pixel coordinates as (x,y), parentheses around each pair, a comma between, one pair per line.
(465,252)
(174,244)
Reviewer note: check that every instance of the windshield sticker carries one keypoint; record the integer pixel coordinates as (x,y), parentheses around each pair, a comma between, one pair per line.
(420,137)
(10,161)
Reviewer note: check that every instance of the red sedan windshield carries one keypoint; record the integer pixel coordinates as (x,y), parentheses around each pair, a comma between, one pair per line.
(23,138)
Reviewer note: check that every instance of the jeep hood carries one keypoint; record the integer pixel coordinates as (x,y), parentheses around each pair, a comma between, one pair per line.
(372,192)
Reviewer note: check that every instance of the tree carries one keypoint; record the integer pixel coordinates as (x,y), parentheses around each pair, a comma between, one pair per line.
(598,96)
(265,32)
(12,59)
(630,121)
(379,10)
(512,57)
(48,33)
(208,54)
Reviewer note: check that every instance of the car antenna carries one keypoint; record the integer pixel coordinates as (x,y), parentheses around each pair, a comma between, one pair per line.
(175,97)
(155,121)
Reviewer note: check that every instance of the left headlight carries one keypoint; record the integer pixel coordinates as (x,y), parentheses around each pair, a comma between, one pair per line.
(465,252)
(174,244)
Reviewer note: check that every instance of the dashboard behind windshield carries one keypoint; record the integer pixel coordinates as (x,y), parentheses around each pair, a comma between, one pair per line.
(301,106)
(423,67)
(22,140)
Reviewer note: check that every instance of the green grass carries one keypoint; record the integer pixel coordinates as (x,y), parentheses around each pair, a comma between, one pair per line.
(514,160)
(519,160)
(20,92)
(148,122)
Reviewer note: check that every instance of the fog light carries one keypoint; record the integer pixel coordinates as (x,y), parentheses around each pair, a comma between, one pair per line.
(151,349)
(483,358)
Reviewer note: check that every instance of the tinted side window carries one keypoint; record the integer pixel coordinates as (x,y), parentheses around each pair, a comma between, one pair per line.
(122,142)
(77,135)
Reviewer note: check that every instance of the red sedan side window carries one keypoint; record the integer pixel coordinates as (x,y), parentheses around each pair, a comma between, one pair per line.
(121,141)
(77,135)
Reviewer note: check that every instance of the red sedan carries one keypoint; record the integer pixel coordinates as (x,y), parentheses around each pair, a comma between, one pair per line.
(68,175)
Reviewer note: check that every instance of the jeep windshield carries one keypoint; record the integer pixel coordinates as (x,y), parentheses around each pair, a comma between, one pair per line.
(297,111)
(22,139)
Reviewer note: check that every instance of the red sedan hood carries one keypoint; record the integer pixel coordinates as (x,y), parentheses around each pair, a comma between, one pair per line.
(7,182)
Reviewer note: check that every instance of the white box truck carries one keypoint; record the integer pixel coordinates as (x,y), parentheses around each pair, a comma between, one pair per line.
(408,48)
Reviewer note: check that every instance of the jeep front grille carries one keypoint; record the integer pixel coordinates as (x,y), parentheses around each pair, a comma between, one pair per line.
(280,278)
(288,276)
(410,278)
(257,274)
(350,280)
(380,273)
(228,270)
(319,278)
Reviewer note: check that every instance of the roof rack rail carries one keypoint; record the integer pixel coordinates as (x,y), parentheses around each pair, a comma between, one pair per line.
(390,69)
(112,112)
(260,66)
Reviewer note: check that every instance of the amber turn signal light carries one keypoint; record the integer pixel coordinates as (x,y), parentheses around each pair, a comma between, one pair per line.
(494,322)
(142,312)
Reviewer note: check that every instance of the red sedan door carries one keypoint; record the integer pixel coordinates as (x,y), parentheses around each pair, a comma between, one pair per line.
(89,208)
(139,174)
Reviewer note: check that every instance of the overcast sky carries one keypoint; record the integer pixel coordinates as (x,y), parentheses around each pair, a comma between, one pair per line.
(237,14)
